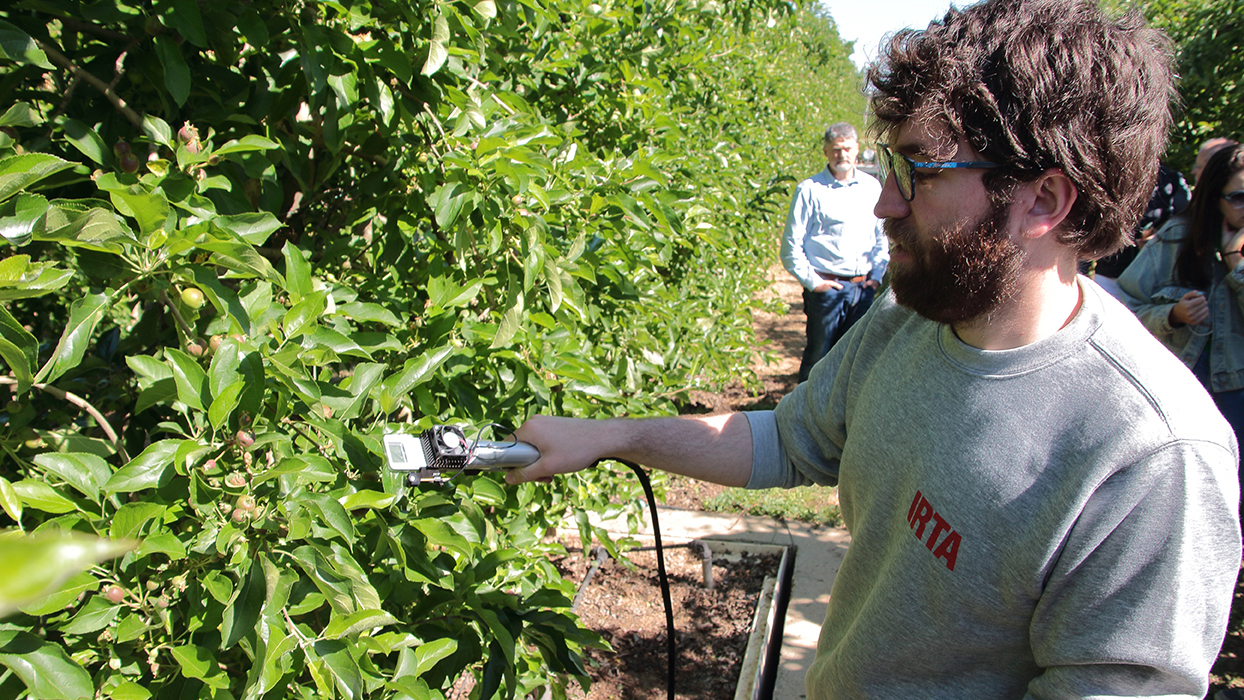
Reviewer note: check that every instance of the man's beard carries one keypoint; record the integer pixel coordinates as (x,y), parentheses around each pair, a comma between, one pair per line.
(960,274)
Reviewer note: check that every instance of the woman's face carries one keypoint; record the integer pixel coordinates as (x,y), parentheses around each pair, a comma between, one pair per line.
(1231,216)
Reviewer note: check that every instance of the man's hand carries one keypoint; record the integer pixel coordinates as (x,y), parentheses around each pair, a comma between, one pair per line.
(828,285)
(566,445)
(1191,310)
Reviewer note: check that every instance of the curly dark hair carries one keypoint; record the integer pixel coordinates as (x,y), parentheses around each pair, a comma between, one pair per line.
(1199,248)
(1040,84)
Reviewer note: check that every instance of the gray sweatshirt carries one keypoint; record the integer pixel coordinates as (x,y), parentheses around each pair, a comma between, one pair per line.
(1054,521)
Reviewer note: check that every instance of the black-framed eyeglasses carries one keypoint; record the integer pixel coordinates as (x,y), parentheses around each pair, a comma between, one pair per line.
(904,168)
(1235,199)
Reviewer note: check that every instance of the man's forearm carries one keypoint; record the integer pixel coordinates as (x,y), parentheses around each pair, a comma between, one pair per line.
(708,448)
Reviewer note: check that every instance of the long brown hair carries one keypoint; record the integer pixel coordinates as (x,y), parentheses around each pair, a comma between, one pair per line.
(1199,249)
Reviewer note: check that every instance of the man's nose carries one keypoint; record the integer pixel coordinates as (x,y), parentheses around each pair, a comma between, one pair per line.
(891,205)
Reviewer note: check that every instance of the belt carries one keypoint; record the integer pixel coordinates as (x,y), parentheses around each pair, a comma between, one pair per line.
(842,278)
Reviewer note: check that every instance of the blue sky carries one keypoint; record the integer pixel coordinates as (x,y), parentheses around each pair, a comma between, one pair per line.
(866,22)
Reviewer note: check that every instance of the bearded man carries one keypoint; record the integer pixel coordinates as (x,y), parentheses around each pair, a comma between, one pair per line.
(1042,500)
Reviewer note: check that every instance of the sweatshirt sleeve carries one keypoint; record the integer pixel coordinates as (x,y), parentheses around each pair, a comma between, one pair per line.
(1136,603)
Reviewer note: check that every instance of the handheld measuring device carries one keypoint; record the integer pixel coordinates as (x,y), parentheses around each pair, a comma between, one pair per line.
(442,452)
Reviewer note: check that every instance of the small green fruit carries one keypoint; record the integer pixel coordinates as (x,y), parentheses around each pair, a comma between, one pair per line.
(114,593)
(192,297)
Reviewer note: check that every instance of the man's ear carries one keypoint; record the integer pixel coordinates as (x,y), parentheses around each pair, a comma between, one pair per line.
(1043,203)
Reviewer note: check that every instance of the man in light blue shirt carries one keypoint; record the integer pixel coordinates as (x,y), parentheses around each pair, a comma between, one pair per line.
(834,245)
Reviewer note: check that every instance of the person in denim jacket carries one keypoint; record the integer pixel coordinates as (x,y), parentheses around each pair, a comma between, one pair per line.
(1187,284)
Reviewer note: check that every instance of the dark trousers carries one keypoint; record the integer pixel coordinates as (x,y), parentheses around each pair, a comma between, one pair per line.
(830,314)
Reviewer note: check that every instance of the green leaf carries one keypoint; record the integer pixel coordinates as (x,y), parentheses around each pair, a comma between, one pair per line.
(96,614)
(93,229)
(176,72)
(437,51)
(161,543)
(129,690)
(149,209)
(224,403)
(448,201)
(242,257)
(252,142)
(184,17)
(427,655)
(44,667)
(147,470)
(347,678)
(17,45)
(444,293)
(85,472)
(356,622)
(486,8)
(304,315)
(86,140)
(33,566)
(331,513)
(509,325)
(23,280)
(222,297)
(9,500)
(158,130)
(242,611)
(19,114)
(367,498)
(84,315)
(338,343)
(253,227)
(416,370)
(20,172)
(297,272)
(364,312)
(192,388)
(38,495)
(131,517)
(64,596)
(199,662)
(18,347)
(163,391)
(306,469)
(441,534)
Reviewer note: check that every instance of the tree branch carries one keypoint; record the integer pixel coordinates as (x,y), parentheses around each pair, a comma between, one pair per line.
(84,405)
(64,62)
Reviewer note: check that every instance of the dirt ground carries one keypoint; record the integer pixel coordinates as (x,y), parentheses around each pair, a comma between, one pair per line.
(624,604)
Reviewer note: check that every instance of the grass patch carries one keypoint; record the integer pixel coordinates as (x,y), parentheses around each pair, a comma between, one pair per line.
(810,504)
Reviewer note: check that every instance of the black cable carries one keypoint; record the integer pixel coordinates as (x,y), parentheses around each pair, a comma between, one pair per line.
(665,584)
(670,647)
